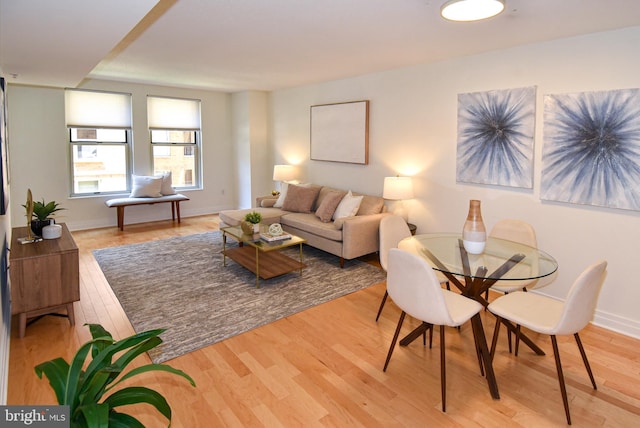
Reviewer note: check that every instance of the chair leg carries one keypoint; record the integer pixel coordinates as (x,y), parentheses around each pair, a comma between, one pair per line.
(584,359)
(563,388)
(496,332)
(430,335)
(443,371)
(395,339)
(517,340)
(384,300)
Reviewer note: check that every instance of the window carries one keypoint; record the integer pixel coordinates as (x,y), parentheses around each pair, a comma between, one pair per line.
(99,125)
(174,128)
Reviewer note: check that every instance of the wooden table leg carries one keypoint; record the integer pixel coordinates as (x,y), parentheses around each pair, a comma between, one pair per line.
(257,268)
(483,350)
(71,314)
(120,214)
(417,332)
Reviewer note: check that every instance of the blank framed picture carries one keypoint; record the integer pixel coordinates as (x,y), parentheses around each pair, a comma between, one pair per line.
(340,132)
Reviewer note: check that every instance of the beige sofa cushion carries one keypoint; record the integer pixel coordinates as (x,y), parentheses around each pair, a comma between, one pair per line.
(235,217)
(328,206)
(312,224)
(371,205)
(300,199)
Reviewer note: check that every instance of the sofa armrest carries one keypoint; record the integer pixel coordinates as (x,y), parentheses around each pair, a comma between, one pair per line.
(360,235)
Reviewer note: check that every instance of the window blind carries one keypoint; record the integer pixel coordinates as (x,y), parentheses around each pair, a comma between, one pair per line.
(97,109)
(173,113)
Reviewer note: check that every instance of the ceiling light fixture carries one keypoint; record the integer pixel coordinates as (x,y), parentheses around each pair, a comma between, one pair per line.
(471,10)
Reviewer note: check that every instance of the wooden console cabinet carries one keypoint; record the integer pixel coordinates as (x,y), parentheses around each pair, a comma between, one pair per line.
(45,276)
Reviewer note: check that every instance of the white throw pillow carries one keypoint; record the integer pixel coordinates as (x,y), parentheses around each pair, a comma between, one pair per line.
(348,206)
(146,186)
(283,194)
(167,186)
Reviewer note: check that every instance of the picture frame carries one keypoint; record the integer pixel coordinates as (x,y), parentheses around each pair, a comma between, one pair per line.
(591,150)
(495,143)
(340,132)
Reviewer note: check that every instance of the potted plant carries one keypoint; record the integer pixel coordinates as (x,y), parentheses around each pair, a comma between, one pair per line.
(41,214)
(251,223)
(84,390)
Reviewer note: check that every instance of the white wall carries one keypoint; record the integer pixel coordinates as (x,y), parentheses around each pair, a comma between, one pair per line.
(413,118)
(253,157)
(39,153)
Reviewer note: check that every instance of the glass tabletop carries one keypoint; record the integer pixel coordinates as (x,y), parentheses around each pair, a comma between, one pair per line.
(445,248)
(255,240)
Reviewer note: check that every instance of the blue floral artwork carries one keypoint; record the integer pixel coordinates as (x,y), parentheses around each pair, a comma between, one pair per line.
(591,151)
(495,137)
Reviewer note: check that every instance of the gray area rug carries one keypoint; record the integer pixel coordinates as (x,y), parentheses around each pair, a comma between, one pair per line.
(180,284)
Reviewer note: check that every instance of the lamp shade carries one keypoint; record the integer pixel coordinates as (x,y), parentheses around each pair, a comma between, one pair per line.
(397,188)
(471,10)
(284,172)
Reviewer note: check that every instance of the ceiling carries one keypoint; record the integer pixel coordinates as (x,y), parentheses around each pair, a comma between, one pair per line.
(237,45)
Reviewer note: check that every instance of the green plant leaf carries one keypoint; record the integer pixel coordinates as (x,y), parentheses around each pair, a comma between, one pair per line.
(93,389)
(56,371)
(122,420)
(139,394)
(76,375)
(105,355)
(96,415)
(98,331)
(155,367)
(143,347)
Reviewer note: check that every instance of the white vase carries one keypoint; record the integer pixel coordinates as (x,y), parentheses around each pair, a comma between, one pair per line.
(474,234)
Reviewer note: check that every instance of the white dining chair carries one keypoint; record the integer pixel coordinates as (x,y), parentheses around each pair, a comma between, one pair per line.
(549,316)
(523,233)
(392,230)
(415,288)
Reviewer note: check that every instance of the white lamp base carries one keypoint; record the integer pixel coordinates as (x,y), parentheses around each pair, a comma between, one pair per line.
(400,210)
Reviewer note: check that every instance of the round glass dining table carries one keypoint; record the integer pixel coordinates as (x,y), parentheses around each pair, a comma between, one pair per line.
(474,274)
(501,259)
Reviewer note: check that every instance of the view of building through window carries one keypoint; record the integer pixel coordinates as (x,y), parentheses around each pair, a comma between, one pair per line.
(174,150)
(99,160)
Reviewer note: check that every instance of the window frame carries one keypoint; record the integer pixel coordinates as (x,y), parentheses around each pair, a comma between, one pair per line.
(197,157)
(127,154)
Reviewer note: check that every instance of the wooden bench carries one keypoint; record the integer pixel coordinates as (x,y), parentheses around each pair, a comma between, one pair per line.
(120,203)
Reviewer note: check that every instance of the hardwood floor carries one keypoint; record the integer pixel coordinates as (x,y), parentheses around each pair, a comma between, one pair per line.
(323,367)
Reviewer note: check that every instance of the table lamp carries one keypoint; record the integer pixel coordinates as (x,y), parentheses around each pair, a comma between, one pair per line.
(283,173)
(398,189)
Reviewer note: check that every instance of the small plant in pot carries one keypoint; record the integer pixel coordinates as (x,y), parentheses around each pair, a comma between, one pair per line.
(42,212)
(251,223)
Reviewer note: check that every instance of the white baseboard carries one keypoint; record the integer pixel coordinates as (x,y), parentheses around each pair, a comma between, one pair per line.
(613,322)
(131,217)
(617,323)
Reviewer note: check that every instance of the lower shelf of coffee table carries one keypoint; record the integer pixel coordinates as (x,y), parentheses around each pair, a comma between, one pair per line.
(270,264)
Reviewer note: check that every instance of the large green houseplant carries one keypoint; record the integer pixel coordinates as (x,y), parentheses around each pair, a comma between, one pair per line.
(84,390)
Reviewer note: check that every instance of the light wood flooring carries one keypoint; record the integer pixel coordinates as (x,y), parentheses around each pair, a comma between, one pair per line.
(323,367)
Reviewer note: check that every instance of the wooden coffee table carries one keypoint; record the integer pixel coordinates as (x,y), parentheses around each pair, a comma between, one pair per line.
(261,257)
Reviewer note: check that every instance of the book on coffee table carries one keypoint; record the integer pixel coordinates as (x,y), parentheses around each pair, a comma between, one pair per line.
(273,238)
